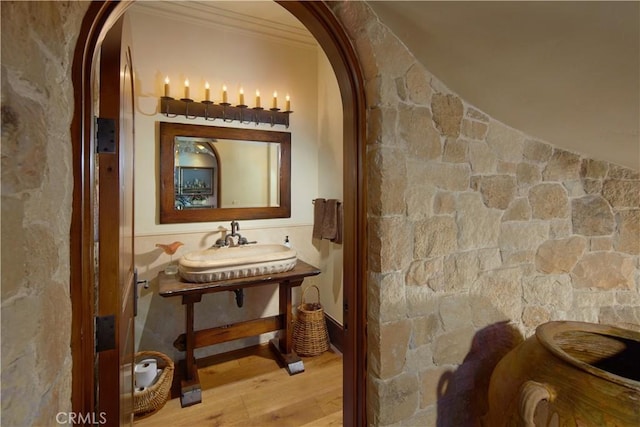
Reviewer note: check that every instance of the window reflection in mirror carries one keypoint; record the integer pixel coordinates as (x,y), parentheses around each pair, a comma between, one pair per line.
(210,173)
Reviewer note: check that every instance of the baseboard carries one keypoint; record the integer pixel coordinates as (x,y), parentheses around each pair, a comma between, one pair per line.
(336,332)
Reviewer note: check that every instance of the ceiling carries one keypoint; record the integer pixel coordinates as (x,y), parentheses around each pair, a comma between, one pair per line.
(567,73)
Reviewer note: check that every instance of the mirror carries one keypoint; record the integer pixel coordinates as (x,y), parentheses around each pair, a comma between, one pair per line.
(211,173)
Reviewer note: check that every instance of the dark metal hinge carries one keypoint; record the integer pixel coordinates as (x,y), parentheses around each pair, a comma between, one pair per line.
(105,333)
(105,135)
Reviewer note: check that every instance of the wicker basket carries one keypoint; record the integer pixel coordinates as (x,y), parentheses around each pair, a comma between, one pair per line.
(310,336)
(155,396)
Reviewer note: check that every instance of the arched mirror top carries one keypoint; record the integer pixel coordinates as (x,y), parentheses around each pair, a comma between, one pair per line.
(211,173)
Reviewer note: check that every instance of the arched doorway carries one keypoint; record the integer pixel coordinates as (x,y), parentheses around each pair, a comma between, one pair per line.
(321,22)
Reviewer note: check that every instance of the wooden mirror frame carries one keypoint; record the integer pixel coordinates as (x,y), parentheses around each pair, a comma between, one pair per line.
(169,214)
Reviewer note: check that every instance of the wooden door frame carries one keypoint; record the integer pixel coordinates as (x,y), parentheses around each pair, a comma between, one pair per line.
(322,23)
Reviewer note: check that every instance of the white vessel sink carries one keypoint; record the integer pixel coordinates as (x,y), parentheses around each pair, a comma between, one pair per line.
(210,265)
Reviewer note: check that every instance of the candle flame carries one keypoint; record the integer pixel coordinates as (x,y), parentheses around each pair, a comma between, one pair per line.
(186,83)
(206,85)
(241,91)
(166,80)
(257,92)
(224,87)
(275,94)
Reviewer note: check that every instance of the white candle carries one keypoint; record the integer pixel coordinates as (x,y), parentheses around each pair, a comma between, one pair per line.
(288,104)
(186,88)
(166,86)
(275,100)
(241,96)
(206,91)
(224,94)
(257,99)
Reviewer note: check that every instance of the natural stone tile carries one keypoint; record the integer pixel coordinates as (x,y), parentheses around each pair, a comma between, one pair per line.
(387,181)
(13,264)
(455,312)
(563,166)
(560,256)
(399,398)
(388,248)
(506,143)
(419,89)
(489,259)
(553,291)
(604,270)
(421,301)
(397,59)
(518,210)
(592,186)
(431,381)
(382,126)
(560,228)
(532,317)
(444,203)
(502,287)
(621,172)
(485,312)
(601,243)
(394,343)
(548,201)
(393,305)
(528,174)
(574,188)
(622,194)
(452,347)
(473,129)
(513,257)
(455,150)
(475,114)
(446,176)
(475,182)
(593,169)
(426,273)
(498,190)
(416,128)
(482,159)
(420,201)
(447,113)
(418,357)
(435,236)
(536,151)
(424,329)
(622,317)
(589,298)
(518,236)
(460,270)
(627,236)
(626,297)
(401,88)
(478,226)
(507,168)
(591,216)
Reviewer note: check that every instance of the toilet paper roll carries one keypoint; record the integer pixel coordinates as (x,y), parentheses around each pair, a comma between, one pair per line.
(146,372)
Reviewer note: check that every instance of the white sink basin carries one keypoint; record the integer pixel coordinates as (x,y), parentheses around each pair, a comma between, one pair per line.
(210,265)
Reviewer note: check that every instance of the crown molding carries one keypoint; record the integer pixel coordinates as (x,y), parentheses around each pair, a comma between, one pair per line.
(275,25)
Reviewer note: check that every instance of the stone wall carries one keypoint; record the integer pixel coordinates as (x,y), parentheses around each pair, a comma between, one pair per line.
(38,39)
(478,233)
(466,217)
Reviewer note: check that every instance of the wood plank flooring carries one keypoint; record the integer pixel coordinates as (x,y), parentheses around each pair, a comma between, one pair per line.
(247,388)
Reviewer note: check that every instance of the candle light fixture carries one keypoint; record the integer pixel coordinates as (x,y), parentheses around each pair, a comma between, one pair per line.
(211,110)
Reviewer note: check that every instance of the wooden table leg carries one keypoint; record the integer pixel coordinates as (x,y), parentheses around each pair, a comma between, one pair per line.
(190,392)
(283,346)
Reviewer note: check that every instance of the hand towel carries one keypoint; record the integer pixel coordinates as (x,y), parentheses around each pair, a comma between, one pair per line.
(331,221)
(318,218)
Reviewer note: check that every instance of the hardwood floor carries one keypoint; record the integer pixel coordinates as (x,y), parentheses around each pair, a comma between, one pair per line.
(248,388)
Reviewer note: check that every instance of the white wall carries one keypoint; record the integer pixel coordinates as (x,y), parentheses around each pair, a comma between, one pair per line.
(224,55)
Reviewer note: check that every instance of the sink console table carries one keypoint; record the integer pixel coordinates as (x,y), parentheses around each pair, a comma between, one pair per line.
(191,293)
